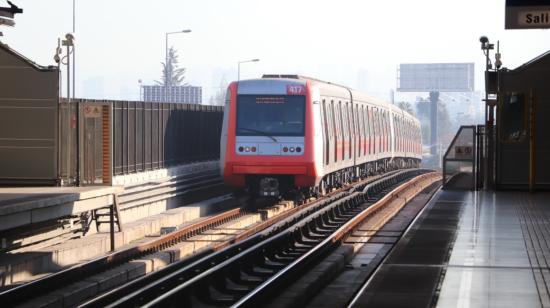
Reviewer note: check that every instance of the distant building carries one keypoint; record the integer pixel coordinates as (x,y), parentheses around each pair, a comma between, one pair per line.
(175,94)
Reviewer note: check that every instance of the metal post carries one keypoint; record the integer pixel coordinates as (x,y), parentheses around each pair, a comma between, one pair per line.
(112,223)
(532,144)
(74,54)
(434,98)
(166,71)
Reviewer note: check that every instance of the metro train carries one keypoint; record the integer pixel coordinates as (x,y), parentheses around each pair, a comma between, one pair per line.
(294,135)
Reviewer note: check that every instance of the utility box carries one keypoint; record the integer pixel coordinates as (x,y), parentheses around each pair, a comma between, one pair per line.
(28,120)
(523,128)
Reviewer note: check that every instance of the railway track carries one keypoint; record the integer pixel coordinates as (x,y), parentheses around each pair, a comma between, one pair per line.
(247,273)
(54,282)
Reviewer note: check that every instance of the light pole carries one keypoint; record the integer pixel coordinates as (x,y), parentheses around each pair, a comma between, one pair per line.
(166,63)
(239,67)
(139,82)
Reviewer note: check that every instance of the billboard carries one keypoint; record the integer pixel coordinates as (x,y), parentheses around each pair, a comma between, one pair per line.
(442,77)
(527,14)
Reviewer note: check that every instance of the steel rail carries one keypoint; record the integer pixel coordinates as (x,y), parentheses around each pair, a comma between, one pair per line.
(326,217)
(151,286)
(51,282)
(336,237)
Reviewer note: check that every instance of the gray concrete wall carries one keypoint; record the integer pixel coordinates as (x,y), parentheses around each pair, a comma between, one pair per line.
(28,119)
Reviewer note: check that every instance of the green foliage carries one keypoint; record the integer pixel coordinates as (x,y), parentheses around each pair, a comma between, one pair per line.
(407,107)
(172,75)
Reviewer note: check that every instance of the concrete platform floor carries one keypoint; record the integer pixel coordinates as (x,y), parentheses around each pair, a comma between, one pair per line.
(20,206)
(19,267)
(470,249)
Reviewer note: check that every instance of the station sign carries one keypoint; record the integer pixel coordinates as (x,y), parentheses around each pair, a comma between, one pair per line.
(91,111)
(464,152)
(527,14)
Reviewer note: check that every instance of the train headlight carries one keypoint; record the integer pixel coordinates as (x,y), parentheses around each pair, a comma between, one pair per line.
(291,149)
(298,149)
(241,149)
(253,149)
(247,149)
(285,149)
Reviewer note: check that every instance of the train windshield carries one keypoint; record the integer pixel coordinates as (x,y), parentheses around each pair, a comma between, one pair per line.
(270,115)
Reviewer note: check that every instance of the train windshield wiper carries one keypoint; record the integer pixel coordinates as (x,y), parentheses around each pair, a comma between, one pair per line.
(259,132)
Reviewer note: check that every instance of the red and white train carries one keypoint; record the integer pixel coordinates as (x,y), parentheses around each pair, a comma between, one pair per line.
(287,133)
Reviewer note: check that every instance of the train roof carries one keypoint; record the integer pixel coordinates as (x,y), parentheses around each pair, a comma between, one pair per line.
(357,95)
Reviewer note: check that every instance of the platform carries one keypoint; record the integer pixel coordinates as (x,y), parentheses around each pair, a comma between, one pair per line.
(21,206)
(469,249)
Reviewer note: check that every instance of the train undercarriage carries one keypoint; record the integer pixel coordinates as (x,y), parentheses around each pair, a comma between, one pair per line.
(282,186)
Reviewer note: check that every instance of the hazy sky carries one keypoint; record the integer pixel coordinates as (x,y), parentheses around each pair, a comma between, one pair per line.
(357,43)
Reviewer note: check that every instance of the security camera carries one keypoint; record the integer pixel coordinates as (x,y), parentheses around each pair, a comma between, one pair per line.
(69,37)
(483,39)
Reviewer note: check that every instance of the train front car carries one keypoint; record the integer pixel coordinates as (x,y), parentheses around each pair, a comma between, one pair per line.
(267,136)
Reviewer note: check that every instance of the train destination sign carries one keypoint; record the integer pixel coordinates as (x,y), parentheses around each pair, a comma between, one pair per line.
(527,14)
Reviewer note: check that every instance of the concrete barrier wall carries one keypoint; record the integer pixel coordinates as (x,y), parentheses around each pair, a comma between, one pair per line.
(28,119)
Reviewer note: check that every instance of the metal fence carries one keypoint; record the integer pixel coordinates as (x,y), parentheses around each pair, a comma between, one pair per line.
(148,136)
(460,168)
(123,137)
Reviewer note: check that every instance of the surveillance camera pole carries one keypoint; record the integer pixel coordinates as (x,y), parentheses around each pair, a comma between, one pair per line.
(489,163)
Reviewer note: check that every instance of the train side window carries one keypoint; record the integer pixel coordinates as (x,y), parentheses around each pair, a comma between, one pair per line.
(327,119)
(349,120)
(367,128)
(372,123)
(392,116)
(409,135)
(326,113)
(345,120)
(360,133)
(385,116)
(330,122)
(340,121)
(403,132)
(347,123)
(336,118)
(382,132)
(387,128)
(376,130)
(399,132)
